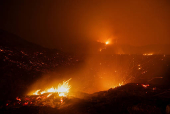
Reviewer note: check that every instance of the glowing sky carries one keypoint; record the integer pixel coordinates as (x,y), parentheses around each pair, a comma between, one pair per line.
(70,24)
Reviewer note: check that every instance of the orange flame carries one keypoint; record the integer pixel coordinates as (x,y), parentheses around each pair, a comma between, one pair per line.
(107,42)
(49,95)
(148,54)
(36,92)
(62,90)
(145,85)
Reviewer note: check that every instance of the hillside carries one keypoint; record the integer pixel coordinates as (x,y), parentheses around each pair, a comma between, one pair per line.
(131,98)
(22,63)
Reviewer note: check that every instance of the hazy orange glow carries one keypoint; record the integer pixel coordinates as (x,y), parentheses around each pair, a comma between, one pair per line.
(107,19)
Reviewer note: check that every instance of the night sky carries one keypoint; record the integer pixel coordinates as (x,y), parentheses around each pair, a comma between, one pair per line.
(73,24)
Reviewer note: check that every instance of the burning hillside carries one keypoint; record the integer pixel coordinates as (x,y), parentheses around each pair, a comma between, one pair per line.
(62,89)
(39,70)
(22,63)
(52,97)
(129,98)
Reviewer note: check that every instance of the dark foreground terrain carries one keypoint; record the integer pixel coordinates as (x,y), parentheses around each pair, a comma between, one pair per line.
(127,99)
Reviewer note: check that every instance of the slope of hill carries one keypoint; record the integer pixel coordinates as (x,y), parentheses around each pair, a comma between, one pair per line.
(131,98)
(11,40)
(128,49)
(22,62)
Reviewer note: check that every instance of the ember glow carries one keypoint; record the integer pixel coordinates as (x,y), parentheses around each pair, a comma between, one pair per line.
(145,85)
(148,54)
(18,99)
(62,90)
(120,84)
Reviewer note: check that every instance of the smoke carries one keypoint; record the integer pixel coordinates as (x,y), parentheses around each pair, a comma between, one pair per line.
(76,26)
(69,24)
(96,72)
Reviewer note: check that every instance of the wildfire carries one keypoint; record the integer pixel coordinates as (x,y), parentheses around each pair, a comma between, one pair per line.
(107,42)
(36,92)
(145,85)
(18,99)
(62,90)
(120,84)
(148,54)
(49,95)
(104,42)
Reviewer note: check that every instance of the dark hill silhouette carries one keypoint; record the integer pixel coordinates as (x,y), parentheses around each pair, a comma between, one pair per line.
(12,40)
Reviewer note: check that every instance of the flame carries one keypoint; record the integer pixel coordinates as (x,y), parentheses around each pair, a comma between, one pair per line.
(61,100)
(43,92)
(120,84)
(145,85)
(148,54)
(36,92)
(62,90)
(49,95)
(52,90)
(18,99)
(107,42)
(62,94)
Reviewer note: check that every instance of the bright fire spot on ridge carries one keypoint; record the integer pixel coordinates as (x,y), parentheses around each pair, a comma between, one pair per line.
(145,85)
(107,42)
(120,84)
(148,54)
